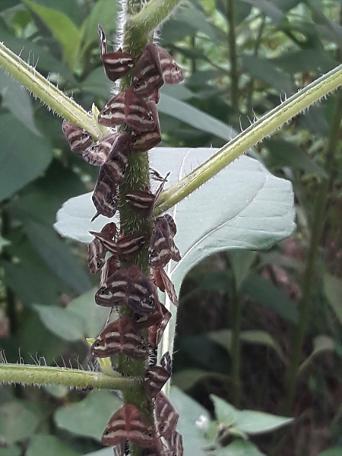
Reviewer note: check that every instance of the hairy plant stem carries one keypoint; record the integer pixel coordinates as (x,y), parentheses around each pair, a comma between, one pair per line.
(265,126)
(26,374)
(317,224)
(234,75)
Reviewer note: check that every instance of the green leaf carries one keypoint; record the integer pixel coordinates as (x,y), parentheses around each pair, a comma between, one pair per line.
(189,412)
(61,322)
(23,156)
(17,421)
(239,448)
(62,28)
(247,421)
(269,9)
(284,153)
(263,292)
(321,344)
(16,99)
(39,445)
(224,336)
(89,417)
(305,60)
(265,70)
(187,378)
(11,451)
(333,292)
(336,451)
(104,13)
(194,117)
(93,317)
(241,262)
(3,243)
(57,256)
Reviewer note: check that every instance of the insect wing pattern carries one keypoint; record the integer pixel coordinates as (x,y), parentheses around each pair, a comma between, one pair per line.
(157,376)
(166,416)
(147,73)
(172,73)
(141,292)
(128,424)
(78,139)
(119,336)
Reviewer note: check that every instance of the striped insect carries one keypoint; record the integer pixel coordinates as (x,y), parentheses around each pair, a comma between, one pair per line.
(112,264)
(78,139)
(130,109)
(172,73)
(98,153)
(144,141)
(145,201)
(128,287)
(164,283)
(96,250)
(166,417)
(116,64)
(105,196)
(147,72)
(162,248)
(122,449)
(119,337)
(115,166)
(175,443)
(156,323)
(128,424)
(156,376)
(123,247)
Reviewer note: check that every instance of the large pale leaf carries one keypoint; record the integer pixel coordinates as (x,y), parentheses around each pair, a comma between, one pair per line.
(56,447)
(90,416)
(247,421)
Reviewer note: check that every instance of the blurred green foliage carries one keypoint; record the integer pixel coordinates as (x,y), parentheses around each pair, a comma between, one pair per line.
(280,46)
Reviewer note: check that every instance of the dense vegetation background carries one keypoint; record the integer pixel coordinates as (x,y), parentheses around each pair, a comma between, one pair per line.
(238,66)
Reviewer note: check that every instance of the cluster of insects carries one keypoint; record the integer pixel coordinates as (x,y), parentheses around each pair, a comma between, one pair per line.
(133,118)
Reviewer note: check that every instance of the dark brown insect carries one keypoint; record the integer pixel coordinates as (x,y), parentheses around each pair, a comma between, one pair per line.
(144,201)
(96,251)
(77,138)
(147,72)
(116,64)
(122,247)
(116,163)
(172,73)
(122,449)
(119,336)
(163,248)
(105,196)
(163,282)
(176,444)
(156,376)
(128,287)
(156,330)
(128,424)
(127,108)
(165,415)
(98,153)
(143,141)
(111,265)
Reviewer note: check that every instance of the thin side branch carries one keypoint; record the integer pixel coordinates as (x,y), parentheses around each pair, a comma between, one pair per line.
(154,13)
(49,94)
(265,126)
(27,374)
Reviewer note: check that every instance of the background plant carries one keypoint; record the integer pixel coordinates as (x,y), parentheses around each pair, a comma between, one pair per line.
(287,41)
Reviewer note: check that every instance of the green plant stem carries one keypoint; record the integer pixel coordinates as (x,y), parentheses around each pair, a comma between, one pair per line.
(151,16)
(234,75)
(257,44)
(26,374)
(265,126)
(49,94)
(317,224)
(235,344)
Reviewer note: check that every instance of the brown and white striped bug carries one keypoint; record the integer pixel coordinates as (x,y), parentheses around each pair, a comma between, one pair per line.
(98,153)
(166,416)
(128,287)
(116,64)
(122,449)
(105,196)
(164,283)
(145,201)
(130,109)
(156,323)
(119,336)
(156,376)
(154,67)
(96,250)
(123,247)
(78,139)
(144,141)
(162,248)
(116,163)
(128,424)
